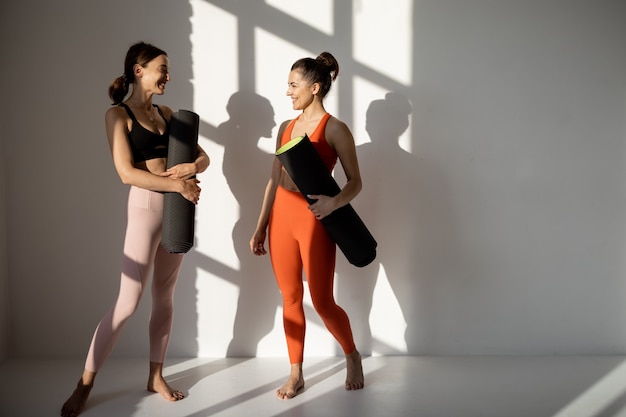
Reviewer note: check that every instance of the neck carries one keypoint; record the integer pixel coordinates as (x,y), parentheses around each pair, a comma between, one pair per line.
(138,101)
(313,112)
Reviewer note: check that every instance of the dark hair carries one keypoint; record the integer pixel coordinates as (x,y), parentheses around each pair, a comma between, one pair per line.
(140,53)
(323,70)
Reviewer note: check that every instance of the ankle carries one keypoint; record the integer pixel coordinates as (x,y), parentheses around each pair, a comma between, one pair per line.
(296,371)
(355,355)
(87,378)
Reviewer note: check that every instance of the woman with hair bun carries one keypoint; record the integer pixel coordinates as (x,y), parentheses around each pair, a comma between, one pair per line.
(296,237)
(138,135)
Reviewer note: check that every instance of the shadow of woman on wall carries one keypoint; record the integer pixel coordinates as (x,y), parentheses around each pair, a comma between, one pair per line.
(398,206)
(247,168)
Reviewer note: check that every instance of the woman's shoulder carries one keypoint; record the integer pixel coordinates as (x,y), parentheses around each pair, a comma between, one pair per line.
(283,127)
(335,127)
(116,112)
(166,110)
(281,131)
(284,124)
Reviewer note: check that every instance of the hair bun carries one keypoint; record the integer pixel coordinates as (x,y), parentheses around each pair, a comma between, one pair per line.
(331,64)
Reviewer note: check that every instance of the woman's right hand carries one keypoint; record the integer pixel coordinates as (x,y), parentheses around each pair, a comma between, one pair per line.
(191,190)
(257,243)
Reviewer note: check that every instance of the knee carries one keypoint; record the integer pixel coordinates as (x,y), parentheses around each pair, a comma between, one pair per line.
(291,294)
(325,307)
(163,305)
(163,288)
(292,300)
(123,310)
(163,294)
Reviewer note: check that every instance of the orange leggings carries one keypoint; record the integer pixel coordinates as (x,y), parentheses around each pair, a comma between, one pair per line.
(298,240)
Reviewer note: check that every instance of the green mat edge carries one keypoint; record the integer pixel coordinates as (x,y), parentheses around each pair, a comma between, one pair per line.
(293,142)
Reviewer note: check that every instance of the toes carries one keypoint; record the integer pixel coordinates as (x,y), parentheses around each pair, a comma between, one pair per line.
(354,386)
(285,395)
(176,395)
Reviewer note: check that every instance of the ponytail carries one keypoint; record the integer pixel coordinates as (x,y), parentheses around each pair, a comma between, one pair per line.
(118,89)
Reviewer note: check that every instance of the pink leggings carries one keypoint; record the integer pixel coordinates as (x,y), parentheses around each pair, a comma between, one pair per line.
(142,254)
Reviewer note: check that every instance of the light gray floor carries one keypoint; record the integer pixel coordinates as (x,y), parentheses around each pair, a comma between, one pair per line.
(506,386)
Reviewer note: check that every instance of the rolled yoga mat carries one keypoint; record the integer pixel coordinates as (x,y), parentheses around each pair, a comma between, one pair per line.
(345,227)
(178,212)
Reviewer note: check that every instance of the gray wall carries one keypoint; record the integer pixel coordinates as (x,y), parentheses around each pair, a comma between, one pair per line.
(501,232)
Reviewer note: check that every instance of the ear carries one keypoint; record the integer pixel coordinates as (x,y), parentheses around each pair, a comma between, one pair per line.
(315,88)
(137,70)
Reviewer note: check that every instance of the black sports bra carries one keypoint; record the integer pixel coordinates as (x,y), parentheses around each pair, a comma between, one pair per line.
(145,144)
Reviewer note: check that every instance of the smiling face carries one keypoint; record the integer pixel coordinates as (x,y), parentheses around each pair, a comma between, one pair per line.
(155,74)
(300,90)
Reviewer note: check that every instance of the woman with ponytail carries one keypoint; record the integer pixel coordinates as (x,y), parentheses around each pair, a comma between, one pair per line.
(297,239)
(138,134)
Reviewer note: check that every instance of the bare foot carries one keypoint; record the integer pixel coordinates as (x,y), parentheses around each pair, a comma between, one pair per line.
(291,388)
(157,384)
(354,375)
(76,403)
(294,384)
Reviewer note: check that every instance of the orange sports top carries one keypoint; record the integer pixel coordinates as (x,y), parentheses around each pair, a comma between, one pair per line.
(318,139)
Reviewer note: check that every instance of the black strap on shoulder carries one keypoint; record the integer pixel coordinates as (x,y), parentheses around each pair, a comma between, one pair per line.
(129,111)
(161,113)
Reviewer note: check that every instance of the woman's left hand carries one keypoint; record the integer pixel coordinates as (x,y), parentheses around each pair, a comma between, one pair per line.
(181,171)
(322,207)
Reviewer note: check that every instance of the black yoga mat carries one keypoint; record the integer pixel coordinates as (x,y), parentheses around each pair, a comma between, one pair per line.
(345,227)
(178,212)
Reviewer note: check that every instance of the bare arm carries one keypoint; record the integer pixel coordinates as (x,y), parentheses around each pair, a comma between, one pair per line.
(116,123)
(340,138)
(257,243)
(188,170)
